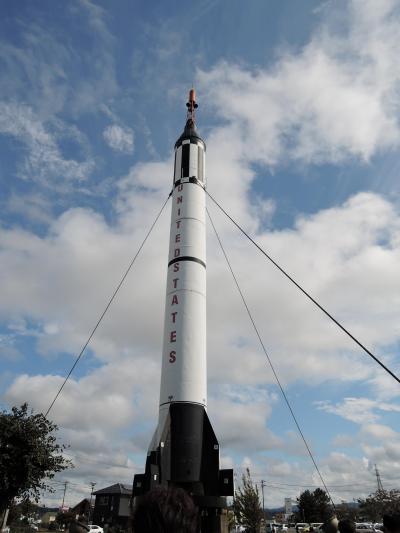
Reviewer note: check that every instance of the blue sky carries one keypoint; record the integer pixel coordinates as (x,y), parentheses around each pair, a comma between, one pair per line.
(299,107)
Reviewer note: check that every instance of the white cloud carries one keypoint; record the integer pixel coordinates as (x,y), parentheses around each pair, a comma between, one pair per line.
(336,98)
(343,441)
(44,163)
(32,206)
(119,139)
(379,431)
(360,410)
(239,413)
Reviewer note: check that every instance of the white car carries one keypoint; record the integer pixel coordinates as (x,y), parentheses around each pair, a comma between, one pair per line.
(95,529)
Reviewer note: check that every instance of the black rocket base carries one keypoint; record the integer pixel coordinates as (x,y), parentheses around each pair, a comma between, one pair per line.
(188,457)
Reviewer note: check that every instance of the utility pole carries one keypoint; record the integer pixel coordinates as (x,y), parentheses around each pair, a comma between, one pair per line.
(378,480)
(262,490)
(92,484)
(65,490)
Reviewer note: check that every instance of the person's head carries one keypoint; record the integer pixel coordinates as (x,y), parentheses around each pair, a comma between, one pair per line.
(165,510)
(347,526)
(391,523)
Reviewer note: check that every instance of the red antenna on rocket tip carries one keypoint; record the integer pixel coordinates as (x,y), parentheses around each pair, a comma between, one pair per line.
(191,104)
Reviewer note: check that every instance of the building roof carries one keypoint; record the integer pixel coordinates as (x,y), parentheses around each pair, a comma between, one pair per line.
(118,488)
(84,502)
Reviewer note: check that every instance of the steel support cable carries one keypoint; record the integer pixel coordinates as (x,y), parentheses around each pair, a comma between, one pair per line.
(305,292)
(110,301)
(270,362)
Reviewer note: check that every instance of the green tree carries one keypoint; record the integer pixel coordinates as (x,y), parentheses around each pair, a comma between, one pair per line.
(22,512)
(65,518)
(345,510)
(29,454)
(313,506)
(379,503)
(246,505)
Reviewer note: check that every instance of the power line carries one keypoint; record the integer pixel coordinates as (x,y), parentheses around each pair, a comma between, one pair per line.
(289,487)
(305,292)
(108,305)
(313,485)
(270,362)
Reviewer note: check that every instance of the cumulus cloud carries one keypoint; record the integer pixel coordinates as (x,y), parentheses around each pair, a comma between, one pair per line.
(119,139)
(238,412)
(360,410)
(334,99)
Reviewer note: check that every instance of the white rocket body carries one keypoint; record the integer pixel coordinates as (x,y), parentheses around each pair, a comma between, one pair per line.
(184,359)
(184,370)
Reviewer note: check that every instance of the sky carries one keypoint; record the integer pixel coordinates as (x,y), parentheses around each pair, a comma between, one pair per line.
(299,105)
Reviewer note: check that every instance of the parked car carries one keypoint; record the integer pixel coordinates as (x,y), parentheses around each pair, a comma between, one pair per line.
(363,527)
(95,529)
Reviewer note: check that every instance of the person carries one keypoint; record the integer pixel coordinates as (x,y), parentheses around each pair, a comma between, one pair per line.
(165,510)
(347,526)
(391,523)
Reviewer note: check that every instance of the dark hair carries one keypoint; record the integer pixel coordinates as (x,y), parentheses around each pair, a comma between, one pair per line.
(165,510)
(347,526)
(391,522)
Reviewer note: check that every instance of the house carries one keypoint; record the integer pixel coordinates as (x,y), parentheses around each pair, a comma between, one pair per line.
(48,517)
(81,508)
(112,505)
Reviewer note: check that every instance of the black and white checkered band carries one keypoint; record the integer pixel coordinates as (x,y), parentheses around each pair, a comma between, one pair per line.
(192,140)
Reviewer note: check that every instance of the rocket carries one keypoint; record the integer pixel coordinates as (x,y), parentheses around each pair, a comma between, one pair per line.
(184,450)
